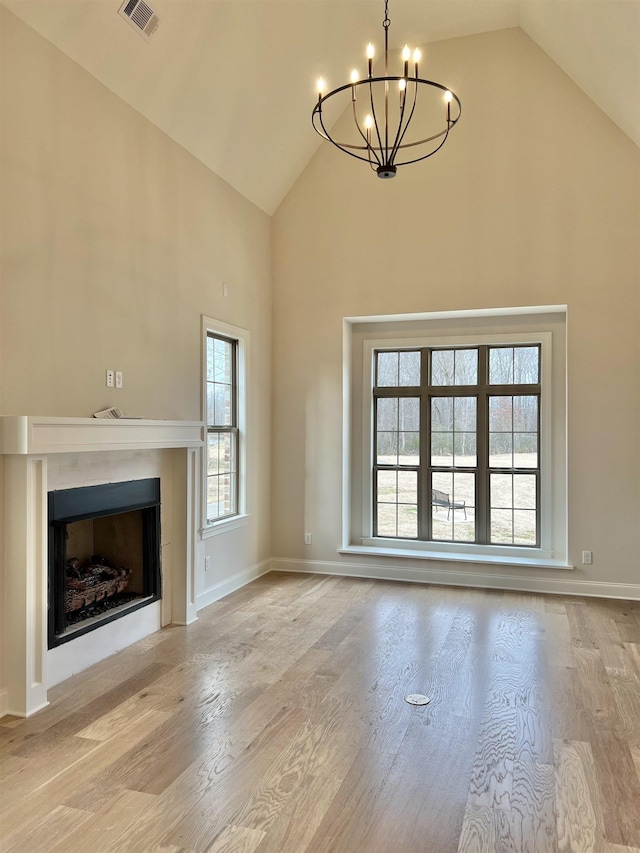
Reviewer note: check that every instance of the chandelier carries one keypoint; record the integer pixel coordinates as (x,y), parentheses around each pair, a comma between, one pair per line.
(389,128)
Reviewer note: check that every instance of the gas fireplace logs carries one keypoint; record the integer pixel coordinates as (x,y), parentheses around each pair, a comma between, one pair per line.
(84,585)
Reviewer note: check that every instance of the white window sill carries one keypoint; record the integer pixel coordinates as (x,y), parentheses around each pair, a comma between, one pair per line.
(224,526)
(533,562)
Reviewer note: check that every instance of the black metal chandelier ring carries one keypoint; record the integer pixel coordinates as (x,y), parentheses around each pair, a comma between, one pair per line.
(318,123)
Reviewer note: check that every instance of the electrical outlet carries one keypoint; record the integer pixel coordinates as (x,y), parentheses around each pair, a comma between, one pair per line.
(307,538)
(207,564)
(118,379)
(587,558)
(225,288)
(109,379)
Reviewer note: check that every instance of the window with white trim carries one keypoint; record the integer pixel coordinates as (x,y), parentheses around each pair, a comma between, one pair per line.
(455,436)
(224,416)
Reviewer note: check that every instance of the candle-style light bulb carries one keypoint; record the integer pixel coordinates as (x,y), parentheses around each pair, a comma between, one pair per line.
(354,80)
(448,98)
(406,55)
(402,84)
(368,123)
(354,76)
(320,85)
(370,52)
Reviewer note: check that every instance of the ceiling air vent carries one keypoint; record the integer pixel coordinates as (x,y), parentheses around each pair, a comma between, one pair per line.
(140,16)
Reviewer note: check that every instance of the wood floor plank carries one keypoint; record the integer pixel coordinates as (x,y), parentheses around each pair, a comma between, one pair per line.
(532,821)
(346,823)
(595,686)
(559,638)
(626,692)
(88,713)
(55,828)
(635,755)
(618,785)
(303,783)
(633,657)
(102,833)
(219,784)
(58,785)
(485,831)
(237,839)
(570,717)
(427,779)
(579,818)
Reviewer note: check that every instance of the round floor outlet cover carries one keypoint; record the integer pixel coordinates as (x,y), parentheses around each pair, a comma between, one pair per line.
(417,699)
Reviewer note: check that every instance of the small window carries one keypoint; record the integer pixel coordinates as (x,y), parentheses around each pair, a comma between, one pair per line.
(224,414)
(222,428)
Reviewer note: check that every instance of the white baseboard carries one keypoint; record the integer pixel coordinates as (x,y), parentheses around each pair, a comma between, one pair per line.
(4,702)
(455,577)
(240,579)
(11,713)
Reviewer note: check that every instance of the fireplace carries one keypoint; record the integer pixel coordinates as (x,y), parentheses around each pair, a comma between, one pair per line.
(47,454)
(104,555)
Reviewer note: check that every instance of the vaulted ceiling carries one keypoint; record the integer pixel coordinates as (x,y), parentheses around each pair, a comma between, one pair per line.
(232,81)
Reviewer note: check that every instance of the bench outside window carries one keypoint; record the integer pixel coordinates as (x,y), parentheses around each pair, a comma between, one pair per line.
(439,498)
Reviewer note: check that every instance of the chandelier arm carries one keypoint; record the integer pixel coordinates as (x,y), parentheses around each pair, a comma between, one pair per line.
(374,118)
(355,121)
(398,144)
(324,129)
(398,139)
(367,146)
(320,131)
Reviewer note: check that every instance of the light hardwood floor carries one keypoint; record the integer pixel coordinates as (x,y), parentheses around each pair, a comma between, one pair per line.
(277,724)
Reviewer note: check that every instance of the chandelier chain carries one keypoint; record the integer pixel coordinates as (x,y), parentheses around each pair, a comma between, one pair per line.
(387,21)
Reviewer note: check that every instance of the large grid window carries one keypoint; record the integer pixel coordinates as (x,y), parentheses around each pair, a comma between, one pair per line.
(222,427)
(457,438)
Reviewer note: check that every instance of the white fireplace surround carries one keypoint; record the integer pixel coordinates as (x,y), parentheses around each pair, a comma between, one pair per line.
(44,453)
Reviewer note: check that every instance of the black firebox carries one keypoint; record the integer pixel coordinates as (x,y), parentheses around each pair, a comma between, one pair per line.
(104,555)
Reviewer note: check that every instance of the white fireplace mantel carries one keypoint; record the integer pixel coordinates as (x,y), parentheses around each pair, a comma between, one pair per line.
(26,434)
(27,443)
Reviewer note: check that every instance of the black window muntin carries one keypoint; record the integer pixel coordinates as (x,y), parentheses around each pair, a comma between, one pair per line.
(482,391)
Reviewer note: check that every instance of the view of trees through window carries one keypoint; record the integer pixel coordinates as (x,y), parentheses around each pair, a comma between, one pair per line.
(222,431)
(457,444)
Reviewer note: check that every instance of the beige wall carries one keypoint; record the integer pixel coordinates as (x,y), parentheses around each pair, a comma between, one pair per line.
(114,242)
(534,200)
